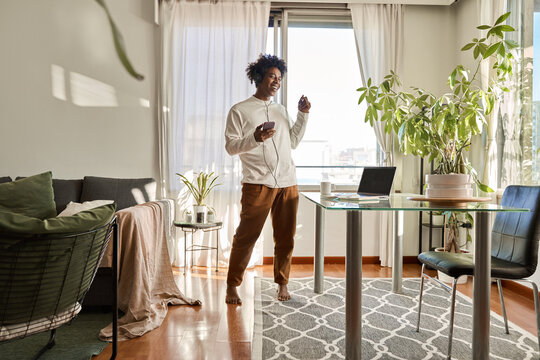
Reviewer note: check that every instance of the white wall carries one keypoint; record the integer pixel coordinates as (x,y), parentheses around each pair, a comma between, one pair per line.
(66,104)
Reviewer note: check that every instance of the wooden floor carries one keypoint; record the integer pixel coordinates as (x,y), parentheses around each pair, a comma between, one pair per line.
(216,330)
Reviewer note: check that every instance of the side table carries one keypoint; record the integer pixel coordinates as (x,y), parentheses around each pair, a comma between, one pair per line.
(193,228)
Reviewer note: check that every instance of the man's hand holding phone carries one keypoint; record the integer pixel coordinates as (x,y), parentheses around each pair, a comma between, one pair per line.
(264,131)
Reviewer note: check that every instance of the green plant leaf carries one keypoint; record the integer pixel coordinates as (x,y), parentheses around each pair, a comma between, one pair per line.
(501,51)
(362,98)
(467,47)
(507,28)
(491,50)
(483,27)
(502,18)
(485,188)
(119,43)
(476,52)
(511,44)
(452,79)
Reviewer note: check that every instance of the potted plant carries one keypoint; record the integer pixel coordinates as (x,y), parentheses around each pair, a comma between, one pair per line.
(200,188)
(441,128)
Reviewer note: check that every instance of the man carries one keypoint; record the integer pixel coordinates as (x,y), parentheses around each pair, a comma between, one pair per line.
(269,176)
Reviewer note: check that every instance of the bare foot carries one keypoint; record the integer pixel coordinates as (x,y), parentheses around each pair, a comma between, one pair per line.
(232,296)
(283,293)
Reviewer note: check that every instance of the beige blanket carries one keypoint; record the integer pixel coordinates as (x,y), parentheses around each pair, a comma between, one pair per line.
(145,279)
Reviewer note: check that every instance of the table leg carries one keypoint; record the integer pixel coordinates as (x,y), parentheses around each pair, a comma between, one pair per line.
(397,258)
(185,252)
(217,249)
(353,286)
(318,276)
(481,286)
(192,235)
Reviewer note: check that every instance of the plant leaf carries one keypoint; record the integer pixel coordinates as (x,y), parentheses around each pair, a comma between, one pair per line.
(484,188)
(119,44)
(467,47)
(502,18)
(511,44)
(476,51)
(507,28)
(491,50)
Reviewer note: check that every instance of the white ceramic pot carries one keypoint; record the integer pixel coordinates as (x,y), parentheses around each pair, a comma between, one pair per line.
(199,214)
(449,186)
(437,219)
(448,279)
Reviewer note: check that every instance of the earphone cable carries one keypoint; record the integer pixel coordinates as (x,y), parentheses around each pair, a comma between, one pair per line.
(275,148)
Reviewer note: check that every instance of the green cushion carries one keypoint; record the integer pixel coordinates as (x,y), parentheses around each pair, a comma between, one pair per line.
(14,223)
(32,196)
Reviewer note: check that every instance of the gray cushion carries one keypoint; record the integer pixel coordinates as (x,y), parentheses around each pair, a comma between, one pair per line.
(66,191)
(5,179)
(125,192)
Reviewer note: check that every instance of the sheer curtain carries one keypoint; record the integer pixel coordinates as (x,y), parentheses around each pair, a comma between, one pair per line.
(515,117)
(206,47)
(378,30)
(488,12)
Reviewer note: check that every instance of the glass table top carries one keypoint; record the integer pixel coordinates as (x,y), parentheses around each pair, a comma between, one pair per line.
(400,202)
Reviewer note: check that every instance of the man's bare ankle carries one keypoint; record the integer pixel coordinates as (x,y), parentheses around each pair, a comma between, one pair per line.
(232,296)
(283,293)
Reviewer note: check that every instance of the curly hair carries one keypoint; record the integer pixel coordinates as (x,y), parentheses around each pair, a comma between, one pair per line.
(256,70)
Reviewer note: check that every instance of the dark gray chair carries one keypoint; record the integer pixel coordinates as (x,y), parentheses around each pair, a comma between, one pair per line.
(514,252)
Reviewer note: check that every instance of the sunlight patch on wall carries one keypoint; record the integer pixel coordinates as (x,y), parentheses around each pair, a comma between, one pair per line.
(144,102)
(89,92)
(58,82)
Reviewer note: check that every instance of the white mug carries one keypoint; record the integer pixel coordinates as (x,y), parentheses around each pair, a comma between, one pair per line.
(326,187)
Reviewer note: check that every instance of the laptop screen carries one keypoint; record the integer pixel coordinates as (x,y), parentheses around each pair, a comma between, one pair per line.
(377,180)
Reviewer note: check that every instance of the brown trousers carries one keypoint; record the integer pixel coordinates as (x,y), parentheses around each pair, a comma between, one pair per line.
(257,201)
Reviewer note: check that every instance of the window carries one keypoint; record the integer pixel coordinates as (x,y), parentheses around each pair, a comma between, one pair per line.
(323,65)
(536,95)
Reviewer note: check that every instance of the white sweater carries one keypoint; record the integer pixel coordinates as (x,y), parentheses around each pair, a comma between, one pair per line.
(260,163)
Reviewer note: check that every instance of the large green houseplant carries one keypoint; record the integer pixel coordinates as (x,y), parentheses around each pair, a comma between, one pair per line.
(441,128)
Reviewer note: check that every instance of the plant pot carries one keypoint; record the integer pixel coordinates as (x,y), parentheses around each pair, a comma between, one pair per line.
(437,219)
(449,186)
(448,279)
(199,214)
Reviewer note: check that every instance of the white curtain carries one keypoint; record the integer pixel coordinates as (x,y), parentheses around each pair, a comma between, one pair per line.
(488,12)
(206,47)
(513,112)
(378,30)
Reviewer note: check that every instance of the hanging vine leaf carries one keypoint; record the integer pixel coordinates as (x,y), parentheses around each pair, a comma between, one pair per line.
(119,44)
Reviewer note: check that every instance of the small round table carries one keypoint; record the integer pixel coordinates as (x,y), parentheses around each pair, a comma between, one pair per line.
(193,228)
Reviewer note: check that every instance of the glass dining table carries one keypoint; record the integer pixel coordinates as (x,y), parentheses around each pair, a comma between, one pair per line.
(398,204)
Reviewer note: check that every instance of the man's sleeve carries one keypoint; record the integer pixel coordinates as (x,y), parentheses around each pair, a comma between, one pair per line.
(298,129)
(235,141)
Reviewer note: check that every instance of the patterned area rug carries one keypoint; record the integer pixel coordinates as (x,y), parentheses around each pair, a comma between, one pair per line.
(311,326)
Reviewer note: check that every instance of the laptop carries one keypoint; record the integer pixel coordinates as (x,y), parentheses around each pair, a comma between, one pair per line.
(375,184)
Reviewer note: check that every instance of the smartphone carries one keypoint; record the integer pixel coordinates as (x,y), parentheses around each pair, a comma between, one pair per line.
(269,125)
